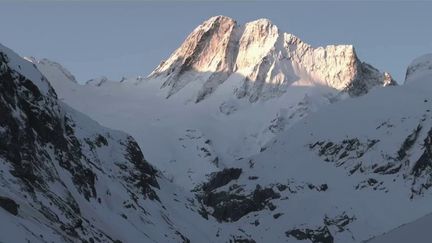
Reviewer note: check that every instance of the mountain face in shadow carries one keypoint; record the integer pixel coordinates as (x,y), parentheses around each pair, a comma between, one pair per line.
(65,178)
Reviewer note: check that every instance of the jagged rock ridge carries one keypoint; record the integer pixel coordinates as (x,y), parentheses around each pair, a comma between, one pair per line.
(267,60)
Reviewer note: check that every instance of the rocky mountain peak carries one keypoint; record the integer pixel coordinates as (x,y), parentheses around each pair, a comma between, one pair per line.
(259,29)
(218,19)
(202,50)
(258,38)
(388,79)
(266,60)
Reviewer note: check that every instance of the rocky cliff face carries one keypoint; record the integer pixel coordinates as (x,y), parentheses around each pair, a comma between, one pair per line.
(266,59)
(63,177)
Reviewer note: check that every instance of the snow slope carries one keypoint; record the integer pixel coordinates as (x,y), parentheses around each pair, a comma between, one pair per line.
(221,96)
(65,178)
(417,231)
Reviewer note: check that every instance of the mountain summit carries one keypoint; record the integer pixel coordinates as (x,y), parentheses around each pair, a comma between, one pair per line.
(265,59)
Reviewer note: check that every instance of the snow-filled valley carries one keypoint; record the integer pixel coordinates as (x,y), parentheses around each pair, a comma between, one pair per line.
(249,134)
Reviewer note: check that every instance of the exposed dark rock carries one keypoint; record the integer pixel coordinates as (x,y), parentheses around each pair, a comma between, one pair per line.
(271,206)
(387,169)
(184,238)
(251,163)
(101,141)
(323,187)
(341,152)
(221,178)
(322,234)
(319,235)
(355,168)
(425,161)
(340,221)
(9,205)
(143,175)
(386,124)
(238,239)
(408,143)
(256,222)
(366,71)
(206,152)
(371,183)
(319,188)
(231,207)
(422,168)
(281,187)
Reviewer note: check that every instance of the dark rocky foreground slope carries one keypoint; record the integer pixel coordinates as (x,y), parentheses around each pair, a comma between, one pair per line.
(63,177)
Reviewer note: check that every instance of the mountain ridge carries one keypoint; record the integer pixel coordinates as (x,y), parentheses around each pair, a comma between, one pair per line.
(263,55)
(304,162)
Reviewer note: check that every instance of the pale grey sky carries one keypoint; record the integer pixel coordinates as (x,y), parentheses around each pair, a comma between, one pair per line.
(130,38)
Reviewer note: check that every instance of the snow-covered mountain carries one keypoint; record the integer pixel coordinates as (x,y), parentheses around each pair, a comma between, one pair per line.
(269,61)
(259,138)
(221,96)
(337,175)
(65,178)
